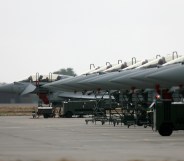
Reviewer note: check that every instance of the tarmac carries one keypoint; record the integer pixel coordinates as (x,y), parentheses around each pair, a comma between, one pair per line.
(54,139)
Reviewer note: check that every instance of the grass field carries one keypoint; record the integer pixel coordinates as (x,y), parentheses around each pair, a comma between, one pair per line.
(16,109)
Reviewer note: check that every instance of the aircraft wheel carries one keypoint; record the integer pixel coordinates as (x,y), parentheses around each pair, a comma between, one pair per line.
(114,123)
(46,116)
(165,129)
(103,122)
(69,114)
(139,123)
(34,115)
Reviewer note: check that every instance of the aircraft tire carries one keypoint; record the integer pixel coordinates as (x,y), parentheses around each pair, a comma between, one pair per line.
(139,123)
(165,129)
(68,114)
(46,116)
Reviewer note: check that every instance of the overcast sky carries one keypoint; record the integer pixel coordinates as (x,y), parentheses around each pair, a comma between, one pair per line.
(47,35)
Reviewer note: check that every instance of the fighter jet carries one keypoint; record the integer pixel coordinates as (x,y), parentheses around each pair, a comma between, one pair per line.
(30,84)
(34,84)
(137,78)
(70,85)
(103,82)
(80,83)
(73,85)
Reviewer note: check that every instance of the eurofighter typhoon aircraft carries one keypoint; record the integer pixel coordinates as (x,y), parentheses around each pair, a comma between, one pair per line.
(158,73)
(154,73)
(34,84)
(131,84)
(134,83)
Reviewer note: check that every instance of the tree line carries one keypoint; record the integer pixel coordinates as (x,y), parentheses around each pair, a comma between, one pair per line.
(67,71)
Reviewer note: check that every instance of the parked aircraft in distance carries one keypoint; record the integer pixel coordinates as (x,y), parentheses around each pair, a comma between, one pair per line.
(136,87)
(151,73)
(34,84)
(131,77)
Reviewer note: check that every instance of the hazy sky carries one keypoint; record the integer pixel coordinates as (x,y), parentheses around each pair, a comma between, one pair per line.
(46,35)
